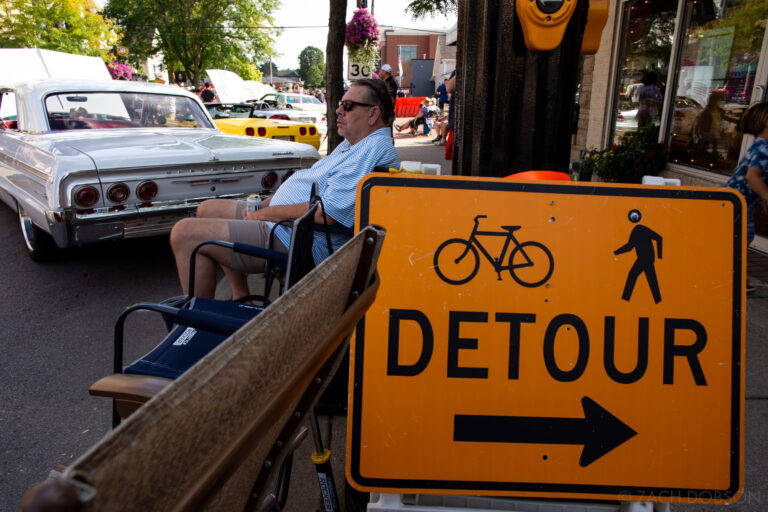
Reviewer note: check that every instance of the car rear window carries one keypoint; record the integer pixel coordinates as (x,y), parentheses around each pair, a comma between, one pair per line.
(8,110)
(110,110)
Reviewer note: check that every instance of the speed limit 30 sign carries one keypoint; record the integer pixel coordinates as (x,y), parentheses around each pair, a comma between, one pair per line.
(358,71)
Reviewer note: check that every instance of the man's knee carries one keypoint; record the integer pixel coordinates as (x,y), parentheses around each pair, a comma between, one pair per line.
(183,233)
(217,208)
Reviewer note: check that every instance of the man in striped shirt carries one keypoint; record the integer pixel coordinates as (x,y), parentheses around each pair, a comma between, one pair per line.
(362,115)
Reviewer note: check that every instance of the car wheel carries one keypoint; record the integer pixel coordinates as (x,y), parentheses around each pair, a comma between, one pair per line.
(40,245)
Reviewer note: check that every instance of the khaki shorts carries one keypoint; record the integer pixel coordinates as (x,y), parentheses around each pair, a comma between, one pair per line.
(251,232)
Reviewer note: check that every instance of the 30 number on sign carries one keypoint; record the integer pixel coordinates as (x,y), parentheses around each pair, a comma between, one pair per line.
(357,71)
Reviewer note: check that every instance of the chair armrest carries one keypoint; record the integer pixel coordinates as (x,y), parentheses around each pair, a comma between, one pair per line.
(129,387)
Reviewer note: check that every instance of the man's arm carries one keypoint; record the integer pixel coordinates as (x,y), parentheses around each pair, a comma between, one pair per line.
(451,85)
(287,211)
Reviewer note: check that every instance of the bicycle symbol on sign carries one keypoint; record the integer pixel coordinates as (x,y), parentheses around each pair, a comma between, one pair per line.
(457,260)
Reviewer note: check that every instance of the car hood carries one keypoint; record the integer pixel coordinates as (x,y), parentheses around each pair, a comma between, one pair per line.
(117,149)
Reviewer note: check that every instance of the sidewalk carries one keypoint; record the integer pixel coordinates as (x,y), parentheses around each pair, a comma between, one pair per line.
(420,147)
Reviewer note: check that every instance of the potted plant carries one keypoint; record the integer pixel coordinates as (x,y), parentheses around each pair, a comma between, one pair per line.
(636,154)
(362,38)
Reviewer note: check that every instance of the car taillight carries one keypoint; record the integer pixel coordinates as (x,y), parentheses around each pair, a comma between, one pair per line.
(302,130)
(280,116)
(269,180)
(619,116)
(287,175)
(87,196)
(118,193)
(249,131)
(262,132)
(147,191)
(324,119)
(312,130)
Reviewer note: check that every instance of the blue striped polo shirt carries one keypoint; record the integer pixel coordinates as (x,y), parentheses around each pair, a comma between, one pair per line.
(336,176)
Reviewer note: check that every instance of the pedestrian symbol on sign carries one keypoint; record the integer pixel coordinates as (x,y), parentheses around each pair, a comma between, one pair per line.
(641,240)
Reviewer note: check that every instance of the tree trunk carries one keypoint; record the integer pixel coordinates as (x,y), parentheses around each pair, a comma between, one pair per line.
(334,71)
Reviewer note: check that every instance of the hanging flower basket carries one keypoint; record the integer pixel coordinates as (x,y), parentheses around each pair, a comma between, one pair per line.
(362,38)
(119,71)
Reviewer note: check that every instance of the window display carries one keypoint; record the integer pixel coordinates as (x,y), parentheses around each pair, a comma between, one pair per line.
(715,81)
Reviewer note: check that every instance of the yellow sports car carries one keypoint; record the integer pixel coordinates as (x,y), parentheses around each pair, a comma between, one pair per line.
(239,119)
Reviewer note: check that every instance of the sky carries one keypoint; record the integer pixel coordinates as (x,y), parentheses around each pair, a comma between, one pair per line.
(315,12)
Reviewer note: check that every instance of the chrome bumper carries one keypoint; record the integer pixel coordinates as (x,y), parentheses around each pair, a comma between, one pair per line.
(107,224)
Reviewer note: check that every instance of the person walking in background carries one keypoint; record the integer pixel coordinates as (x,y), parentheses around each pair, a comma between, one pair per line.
(650,98)
(385,73)
(442,99)
(750,174)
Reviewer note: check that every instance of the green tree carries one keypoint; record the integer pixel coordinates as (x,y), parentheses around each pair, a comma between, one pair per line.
(72,26)
(421,8)
(245,70)
(309,56)
(264,68)
(315,76)
(197,34)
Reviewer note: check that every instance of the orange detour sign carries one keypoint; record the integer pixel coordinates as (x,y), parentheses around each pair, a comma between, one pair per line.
(551,340)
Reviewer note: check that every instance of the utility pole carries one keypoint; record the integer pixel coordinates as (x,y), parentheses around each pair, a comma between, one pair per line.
(514,103)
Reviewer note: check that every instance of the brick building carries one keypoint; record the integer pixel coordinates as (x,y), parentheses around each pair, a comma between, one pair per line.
(399,47)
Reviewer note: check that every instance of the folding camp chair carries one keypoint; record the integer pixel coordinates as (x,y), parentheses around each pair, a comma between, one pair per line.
(202,442)
(197,325)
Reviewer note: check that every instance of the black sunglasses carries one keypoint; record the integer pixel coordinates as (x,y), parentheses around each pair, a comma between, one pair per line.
(348,105)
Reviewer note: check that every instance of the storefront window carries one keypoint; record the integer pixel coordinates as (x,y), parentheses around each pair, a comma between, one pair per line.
(715,80)
(647,37)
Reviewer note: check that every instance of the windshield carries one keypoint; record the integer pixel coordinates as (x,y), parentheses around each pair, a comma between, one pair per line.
(228,110)
(311,99)
(108,110)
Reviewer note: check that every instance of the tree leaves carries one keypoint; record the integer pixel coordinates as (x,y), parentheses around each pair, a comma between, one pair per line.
(422,8)
(70,26)
(198,34)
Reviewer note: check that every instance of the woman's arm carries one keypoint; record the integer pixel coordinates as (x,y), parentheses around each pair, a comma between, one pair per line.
(757,183)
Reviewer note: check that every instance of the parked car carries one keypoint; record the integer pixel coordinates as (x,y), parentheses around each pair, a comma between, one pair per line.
(87,160)
(302,102)
(239,119)
(270,103)
(626,121)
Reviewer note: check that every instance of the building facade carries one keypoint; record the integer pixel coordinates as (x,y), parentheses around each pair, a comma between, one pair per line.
(709,59)
(399,47)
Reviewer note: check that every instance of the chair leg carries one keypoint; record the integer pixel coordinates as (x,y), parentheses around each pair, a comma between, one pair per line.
(322,460)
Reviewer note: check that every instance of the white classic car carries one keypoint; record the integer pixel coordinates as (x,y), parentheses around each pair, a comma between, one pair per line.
(84,161)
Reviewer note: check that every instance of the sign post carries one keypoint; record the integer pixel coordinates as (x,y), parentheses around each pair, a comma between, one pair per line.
(551,340)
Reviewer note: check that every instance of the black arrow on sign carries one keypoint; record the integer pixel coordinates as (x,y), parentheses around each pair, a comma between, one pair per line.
(599,431)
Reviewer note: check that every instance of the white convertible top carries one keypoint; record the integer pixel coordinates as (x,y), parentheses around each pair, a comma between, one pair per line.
(24,64)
